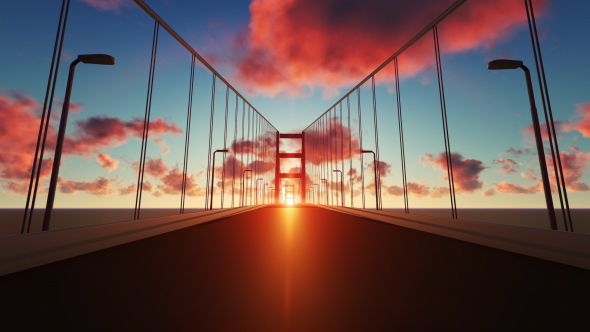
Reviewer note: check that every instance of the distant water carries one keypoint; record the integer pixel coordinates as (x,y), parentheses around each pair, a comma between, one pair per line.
(531,218)
(11,219)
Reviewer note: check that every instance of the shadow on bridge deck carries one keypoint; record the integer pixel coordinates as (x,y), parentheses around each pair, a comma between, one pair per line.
(297,269)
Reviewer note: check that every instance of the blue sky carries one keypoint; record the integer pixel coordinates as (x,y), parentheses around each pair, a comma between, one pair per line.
(488,111)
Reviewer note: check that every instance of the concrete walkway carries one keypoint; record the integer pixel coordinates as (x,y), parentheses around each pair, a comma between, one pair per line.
(297,269)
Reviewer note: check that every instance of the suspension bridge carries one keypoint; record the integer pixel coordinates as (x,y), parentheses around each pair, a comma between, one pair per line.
(300,249)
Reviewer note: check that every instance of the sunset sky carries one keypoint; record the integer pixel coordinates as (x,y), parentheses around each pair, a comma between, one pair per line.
(293,60)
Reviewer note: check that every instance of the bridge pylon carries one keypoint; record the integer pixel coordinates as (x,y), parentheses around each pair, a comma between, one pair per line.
(284,155)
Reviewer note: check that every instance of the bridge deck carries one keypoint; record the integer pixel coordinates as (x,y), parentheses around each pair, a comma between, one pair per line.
(297,269)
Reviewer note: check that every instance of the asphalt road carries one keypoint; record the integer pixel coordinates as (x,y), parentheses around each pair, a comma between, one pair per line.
(297,269)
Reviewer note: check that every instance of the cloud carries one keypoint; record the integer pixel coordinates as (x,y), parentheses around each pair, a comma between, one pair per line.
(439,192)
(582,125)
(529,132)
(574,165)
(531,175)
(296,45)
(147,186)
(511,188)
(337,137)
(19,127)
(100,132)
(417,190)
(172,185)
(519,153)
(465,171)
(509,166)
(155,167)
(108,163)
(257,147)
(100,187)
(488,193)
(383,167)
(108,5)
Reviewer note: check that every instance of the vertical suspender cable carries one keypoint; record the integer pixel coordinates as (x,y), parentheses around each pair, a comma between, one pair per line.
(350,155)
(188,134)
(249,192)
(233,181)
(358,94)
(243,191)
(209,180)
(146,121)
(46,114)
(401,136)
(332,150)
(342,155)
(224,146)
(443,108)
(377,162)
(555,153)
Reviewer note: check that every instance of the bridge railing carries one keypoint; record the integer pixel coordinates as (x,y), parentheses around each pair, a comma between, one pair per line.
(449,137)
(142,134)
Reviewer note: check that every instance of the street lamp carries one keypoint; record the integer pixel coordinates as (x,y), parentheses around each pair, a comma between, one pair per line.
(256,186)
(341,186)
(374,171)
(271,189)
(264,192)
(213,177)
(244,188)
(326,186)
(312,194)
(94,59)
(318,189)
(502,64)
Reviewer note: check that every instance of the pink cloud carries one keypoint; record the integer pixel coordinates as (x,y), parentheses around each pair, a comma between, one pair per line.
(99,132)
(100,187)
(19,127)
(108,163)
(465,171)
(488,193)
(298,44)
(337,136)
(583,124)
(511,188)
(509,166)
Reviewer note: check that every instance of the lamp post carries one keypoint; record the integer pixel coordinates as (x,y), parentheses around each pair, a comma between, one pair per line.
(312,194)
(307,195)
(244,188)
(318,190)
(341,186)
(264,192)
(502,64)
(374,171)
(256,186)
(213,177)
(95,59)
(270,191)
(326,186)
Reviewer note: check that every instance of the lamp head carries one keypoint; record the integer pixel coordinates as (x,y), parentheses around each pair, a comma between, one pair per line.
(224,151)
(366,151)
(97,59)
(502,64)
